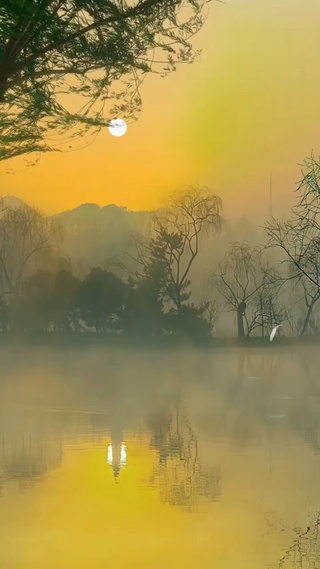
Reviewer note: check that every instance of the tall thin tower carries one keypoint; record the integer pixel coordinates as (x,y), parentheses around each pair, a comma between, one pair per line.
(270,197)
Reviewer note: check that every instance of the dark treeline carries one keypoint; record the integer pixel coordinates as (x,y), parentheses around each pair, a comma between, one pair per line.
(100,302)
(146,291)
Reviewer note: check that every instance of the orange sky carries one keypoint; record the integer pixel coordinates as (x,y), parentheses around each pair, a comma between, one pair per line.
(250,105)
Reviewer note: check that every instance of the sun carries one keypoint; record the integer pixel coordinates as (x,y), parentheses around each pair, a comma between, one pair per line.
(118,127)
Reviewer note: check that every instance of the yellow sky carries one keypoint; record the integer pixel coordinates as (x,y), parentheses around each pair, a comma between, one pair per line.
(250,106)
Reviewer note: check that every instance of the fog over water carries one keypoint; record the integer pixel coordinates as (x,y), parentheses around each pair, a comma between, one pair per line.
(177,459)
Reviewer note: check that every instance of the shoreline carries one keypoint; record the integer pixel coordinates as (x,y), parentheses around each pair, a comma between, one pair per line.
(92,340)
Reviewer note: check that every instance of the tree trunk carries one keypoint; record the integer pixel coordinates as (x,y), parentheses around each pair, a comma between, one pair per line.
(240,312)
(4,76)
(308,316)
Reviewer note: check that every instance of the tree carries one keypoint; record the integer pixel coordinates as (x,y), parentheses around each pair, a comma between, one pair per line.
(104,48)
(212,307)
(143,313)
(24,233)
(248,285)
(46,301)
(31,309)
(101,299)
(299,236)
(299,239)
(304,298)
(165,261)
(179,228)
(305,549)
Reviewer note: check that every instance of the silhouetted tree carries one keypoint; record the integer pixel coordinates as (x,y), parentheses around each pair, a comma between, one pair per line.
(101,299)
(190,323)
(212,308)
(103,47)
(179,227)
(143,313)
(163,264)
(249,287)
(299,239)
(64,301)
(3,315)
(299,236)
(24,233)
(304,299)
(46,301)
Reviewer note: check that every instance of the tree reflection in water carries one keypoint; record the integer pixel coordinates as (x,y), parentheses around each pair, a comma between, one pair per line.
(179,474)
(26,459)
(304,553)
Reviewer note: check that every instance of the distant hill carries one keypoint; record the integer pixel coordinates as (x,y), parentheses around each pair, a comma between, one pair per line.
(13,201)
(93,235)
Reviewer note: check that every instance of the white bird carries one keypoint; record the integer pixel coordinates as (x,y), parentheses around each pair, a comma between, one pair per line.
(274,331)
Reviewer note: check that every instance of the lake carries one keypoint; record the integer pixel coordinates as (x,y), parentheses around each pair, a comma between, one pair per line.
(182,459)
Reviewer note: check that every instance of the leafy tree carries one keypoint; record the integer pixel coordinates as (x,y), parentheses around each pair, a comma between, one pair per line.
(143,315)
(46,301)
(95,50)
(63,301)
(190,323)
(101,299)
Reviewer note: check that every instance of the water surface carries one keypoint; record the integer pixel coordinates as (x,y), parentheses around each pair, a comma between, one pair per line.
(171,460)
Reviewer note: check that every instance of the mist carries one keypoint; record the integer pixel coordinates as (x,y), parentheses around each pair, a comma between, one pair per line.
(146,441)
(140,395)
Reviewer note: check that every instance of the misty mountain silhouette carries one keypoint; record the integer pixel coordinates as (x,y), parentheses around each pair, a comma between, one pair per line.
(92,235)
(95,236)
(85,210)
(12,201)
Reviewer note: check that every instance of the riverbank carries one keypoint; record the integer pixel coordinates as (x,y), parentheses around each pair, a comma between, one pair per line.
(84,340)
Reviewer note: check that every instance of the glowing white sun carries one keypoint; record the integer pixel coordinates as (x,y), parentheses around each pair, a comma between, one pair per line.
(117,127)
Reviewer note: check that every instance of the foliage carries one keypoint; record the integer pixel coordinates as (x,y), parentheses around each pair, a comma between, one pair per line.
(101,299)
(189,323)
(143,314)
(54,54)
(46,301)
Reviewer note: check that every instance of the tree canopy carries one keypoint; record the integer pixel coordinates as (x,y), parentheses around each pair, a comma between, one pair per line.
(95,51)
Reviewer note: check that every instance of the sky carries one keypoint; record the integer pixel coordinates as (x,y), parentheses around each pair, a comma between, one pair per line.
(249,107)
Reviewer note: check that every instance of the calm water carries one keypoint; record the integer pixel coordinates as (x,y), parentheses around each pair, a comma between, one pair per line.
(184,460)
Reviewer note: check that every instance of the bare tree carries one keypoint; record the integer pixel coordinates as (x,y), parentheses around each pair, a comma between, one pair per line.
(307,301)
(249,287)
(212,310)
(188,215)
(299,239)
(299,236)
(24,232)
(266,310)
